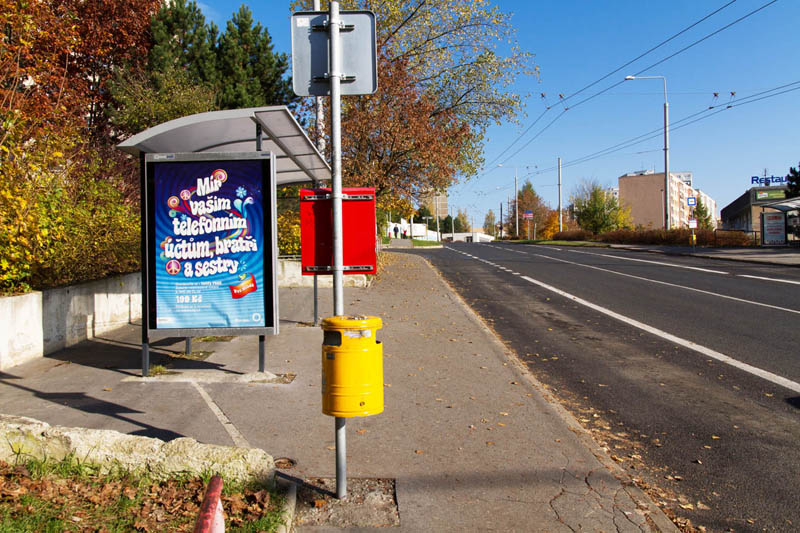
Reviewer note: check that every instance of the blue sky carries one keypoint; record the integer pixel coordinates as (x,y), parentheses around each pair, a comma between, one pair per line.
(578,42)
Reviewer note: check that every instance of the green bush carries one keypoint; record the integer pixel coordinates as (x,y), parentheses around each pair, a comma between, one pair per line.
(63,220)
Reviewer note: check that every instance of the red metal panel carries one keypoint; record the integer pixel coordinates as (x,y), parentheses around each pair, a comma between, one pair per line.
(358,228)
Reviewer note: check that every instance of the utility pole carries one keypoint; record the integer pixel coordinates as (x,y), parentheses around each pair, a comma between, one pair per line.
(436,209)
(516,202)
(320,130)
(560,222)
(501,220)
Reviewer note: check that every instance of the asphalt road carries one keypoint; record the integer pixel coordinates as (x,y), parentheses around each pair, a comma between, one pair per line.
(687,369)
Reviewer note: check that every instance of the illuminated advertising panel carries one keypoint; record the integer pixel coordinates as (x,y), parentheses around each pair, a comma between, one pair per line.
(211,242)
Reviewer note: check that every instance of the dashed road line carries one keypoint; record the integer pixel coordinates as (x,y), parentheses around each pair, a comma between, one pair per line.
(770,279)
(662,263)
(761,373)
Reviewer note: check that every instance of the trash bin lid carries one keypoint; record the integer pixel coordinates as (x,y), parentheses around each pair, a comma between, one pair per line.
(342,322)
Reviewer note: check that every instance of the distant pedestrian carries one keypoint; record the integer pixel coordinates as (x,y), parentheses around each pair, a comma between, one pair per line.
(396,231)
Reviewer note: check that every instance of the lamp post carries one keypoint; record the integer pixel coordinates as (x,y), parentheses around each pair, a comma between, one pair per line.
(666,143)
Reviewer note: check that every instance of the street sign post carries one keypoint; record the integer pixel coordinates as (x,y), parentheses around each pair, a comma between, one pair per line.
(691,201)
(335,53)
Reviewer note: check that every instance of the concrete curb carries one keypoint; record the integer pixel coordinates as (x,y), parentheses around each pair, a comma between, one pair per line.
(653,514)
(22,437)
(289,504)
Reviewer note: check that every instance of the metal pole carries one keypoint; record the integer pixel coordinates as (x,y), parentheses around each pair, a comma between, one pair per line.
(560,209)
(320,129)
(666,158)
(145,266)
(501,220)
(336,199)
(516,203)
(188,349)
(262,349)
(436,208)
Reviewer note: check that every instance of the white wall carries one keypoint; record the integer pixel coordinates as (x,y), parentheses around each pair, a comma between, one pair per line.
(39,323)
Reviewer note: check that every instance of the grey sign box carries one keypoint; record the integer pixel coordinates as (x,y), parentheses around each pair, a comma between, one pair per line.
(311,53)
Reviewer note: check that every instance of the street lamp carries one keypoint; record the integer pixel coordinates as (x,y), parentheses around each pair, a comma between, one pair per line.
(666,143)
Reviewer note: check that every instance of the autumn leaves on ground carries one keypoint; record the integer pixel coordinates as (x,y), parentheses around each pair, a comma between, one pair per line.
(69,496)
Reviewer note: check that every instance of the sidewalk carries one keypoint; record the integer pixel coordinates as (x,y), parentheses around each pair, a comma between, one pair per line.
(773,256)
(473,441)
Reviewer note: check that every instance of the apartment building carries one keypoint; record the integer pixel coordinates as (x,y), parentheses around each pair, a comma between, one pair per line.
(643,192)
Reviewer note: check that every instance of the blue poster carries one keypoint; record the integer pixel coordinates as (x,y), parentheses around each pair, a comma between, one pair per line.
(209,244)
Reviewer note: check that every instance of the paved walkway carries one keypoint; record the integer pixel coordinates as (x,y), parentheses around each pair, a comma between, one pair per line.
(473,441)
(789,256)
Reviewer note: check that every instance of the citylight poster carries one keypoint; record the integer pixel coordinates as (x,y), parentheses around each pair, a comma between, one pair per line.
(208,244)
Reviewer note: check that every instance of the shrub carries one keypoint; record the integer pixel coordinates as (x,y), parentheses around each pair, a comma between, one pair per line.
(574,235)
(63,220)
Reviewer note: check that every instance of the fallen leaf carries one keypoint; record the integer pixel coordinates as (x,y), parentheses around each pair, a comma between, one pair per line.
(361,431)
(107,389)
(419,452)
(331,447)
(503,413)
(687,506)
(501,424)
(513,382)
(714,437)
(387,385)
(439,400)
(319,503)
(490,443)
(703,507)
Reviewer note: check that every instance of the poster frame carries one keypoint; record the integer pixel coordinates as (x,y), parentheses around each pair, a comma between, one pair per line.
(269,207)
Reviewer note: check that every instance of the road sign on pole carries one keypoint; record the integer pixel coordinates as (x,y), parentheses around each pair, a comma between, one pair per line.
(334,53)
(691,201)
(311,65)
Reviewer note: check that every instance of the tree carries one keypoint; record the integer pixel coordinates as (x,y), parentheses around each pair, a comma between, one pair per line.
(550,226)
(702,215)
(183,41)
(598,211)
(489,223)
(143,101)
(442,53)
(462,222)
(528,200)
(793,187)
(249,73)
(393,141)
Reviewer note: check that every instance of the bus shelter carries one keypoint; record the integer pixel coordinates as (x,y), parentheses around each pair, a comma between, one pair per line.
(187,227)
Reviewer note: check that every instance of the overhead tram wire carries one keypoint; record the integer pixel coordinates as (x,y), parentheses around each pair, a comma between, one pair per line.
(743,17)
(678,125)
(643,54)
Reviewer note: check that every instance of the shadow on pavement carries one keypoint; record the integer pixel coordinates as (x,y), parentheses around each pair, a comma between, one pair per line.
(89,404)
(126,357)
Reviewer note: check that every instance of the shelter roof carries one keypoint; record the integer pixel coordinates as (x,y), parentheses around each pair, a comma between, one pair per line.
(792,204)
(234,130)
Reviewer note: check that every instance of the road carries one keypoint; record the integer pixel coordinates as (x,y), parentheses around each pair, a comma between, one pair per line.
(687,369)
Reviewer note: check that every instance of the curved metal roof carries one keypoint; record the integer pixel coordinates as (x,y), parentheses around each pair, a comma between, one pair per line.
(785,205)
(234,130)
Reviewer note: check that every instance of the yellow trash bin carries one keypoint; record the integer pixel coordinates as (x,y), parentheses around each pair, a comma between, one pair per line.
(352,366)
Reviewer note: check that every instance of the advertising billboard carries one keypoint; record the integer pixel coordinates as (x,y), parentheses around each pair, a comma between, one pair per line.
(210,246)
(773,228)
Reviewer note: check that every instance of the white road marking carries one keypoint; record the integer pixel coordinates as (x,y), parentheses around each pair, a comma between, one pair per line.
(770,279)
(236,436)
(764,374)
(786,309)
(652,262)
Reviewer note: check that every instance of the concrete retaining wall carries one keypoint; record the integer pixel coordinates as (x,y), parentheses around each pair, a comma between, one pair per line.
(39,323)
